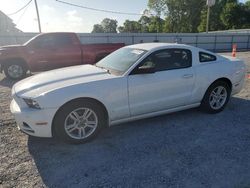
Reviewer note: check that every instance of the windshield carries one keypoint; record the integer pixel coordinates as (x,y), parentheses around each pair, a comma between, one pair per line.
(121,60)
(26,43)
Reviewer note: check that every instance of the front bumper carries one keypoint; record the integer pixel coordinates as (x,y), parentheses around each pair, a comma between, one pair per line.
(32,121)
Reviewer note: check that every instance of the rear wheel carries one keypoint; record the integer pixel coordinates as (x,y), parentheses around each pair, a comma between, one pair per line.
(79,121)
(15,70)
(216,97)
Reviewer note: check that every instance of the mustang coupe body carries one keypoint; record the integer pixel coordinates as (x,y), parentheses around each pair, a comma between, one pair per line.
(134,82)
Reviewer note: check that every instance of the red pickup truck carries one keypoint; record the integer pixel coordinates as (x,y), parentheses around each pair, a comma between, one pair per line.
(50,51)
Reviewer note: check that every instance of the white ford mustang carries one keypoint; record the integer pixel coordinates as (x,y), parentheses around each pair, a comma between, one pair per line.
(134,82)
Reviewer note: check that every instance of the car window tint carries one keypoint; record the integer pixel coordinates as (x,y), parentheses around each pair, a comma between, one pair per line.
(45,40)
(206,57)
(172,59)
(62,40)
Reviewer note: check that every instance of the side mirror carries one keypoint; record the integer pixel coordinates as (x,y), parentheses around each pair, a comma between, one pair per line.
(145,70)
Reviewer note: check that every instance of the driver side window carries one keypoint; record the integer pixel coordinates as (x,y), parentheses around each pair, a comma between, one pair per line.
(148,62)
(44,41)
(172,59)
(167,59)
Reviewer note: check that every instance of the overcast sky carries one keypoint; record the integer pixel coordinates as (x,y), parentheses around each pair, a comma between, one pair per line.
(60,17)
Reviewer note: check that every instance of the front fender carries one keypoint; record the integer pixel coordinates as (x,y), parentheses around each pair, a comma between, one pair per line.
(113,95)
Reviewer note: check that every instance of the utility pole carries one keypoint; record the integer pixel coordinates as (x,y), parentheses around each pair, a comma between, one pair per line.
(209,4)
(38,18)
(208,15)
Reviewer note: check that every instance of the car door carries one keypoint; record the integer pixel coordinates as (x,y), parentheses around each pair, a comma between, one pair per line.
(67,52)
(168,87)
(53,51)
(41,53)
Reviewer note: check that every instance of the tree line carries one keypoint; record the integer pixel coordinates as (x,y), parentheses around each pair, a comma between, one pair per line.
(182,16)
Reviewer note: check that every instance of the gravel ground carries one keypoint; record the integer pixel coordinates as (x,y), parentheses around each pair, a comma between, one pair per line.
(184,149)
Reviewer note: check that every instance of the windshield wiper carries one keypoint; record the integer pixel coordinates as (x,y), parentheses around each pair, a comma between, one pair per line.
(108,71)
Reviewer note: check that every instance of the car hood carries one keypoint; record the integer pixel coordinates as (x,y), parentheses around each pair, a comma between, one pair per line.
(44,82)
(5,51)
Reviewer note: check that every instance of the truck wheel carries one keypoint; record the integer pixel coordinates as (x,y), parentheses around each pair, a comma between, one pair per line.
(216,97)
(79,121)
(15,71)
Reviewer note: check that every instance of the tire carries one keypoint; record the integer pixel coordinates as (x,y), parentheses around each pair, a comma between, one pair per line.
(15,70)
(216,97)
(72,126)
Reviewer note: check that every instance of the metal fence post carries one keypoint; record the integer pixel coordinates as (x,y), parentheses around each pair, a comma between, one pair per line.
(232,41)
(248,42)
(196,40)
(215,42)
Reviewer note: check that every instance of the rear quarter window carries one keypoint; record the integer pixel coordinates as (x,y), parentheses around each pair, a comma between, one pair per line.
(206,57)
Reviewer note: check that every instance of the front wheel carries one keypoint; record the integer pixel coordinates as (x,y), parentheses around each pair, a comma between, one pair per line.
(216,97)
(15,71)
(79,121)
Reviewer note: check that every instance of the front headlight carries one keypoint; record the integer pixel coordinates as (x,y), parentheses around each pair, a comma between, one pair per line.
(32,103)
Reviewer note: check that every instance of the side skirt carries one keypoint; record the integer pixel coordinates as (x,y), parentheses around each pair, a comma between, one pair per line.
(134,118)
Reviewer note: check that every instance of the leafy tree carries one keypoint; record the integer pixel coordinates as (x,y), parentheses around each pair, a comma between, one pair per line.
(97,28)
(231,15)
(156,25)
(247,4)
(226,14)
(158,6)
(182,15)
(109,25)
(247,14)
(153,24)
(236,16)
(215,22)
(130,27)
(144,21)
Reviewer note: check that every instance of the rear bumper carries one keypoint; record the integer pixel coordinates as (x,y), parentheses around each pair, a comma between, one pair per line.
(33,122)
(237,87)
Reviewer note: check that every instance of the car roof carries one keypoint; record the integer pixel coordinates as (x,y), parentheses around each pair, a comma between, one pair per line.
(151,46)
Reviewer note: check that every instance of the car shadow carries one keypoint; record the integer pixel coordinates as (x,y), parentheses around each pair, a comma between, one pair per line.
(185,149)
(6,82)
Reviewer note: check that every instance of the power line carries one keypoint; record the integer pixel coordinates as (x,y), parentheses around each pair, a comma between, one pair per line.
(20,9)
(22,15)
(99,10)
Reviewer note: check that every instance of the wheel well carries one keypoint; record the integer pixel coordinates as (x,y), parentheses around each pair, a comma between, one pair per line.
(226,80)
(81,99)
(14,60)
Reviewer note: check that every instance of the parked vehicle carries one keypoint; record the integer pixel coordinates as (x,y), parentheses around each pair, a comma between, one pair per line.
(50,51)
(134,82)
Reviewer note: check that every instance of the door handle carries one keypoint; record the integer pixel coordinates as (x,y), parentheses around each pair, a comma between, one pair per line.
(187,76)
